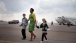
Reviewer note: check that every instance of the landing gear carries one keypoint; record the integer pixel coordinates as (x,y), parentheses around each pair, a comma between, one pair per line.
(68,25)
(63,24)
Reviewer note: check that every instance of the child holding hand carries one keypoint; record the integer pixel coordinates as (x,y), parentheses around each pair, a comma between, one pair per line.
(44,27)
(24,25)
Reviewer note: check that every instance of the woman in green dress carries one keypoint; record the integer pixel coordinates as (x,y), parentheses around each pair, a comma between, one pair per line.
(32,19)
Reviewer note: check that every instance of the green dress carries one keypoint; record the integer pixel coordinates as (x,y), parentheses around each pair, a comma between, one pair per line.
(32,23)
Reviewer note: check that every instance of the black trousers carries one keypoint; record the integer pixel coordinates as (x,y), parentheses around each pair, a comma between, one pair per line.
(44,36)
(23,31)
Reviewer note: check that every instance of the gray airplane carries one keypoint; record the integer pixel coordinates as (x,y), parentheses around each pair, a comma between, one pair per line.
(66,20)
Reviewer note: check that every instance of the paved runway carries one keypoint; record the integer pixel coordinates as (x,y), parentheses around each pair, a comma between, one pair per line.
(11,33)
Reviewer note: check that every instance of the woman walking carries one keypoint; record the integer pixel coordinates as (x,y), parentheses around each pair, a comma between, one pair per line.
(32,19)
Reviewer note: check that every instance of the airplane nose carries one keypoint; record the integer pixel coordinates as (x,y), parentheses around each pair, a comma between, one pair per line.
(56,18)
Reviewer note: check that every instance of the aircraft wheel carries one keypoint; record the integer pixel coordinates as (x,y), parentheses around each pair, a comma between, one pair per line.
(60,24)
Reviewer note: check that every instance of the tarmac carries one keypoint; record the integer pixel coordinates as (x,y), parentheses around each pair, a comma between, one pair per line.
(11,33)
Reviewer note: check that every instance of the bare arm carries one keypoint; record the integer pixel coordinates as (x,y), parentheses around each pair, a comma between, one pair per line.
(34,17)
(28,20)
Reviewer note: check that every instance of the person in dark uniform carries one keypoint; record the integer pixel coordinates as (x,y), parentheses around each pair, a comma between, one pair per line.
(52,23)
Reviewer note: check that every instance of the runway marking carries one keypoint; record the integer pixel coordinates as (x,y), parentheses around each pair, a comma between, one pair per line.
(2,41)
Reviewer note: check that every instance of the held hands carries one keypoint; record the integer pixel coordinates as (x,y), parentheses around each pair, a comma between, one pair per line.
(37,26)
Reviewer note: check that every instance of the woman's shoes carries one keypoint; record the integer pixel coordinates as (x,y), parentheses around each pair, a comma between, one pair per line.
(30,40)
(34,37)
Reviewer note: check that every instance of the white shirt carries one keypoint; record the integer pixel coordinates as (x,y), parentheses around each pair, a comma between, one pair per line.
(23,21)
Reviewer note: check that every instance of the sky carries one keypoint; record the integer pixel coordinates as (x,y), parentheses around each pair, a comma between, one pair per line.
(48,9)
